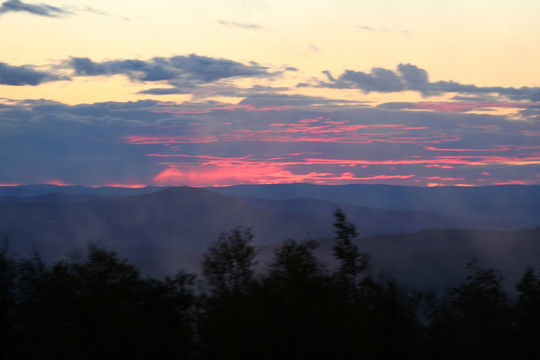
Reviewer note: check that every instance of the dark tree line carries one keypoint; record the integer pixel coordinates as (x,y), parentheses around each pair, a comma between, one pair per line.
(96,305)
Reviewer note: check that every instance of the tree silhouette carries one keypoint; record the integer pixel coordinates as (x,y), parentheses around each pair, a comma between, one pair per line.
(352,263)
(97,306)
(301,305)
(229,322)
(228,264)
(473,321)
(527,316)
(7,278)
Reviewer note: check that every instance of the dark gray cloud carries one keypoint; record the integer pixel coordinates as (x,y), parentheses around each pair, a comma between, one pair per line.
(408,77)
(187,70)
(239,25)
(475,98)
(379,79)
(413,77)
(35,9)
(24,75)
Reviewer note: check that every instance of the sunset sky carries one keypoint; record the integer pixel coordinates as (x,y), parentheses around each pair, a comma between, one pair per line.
(225,92)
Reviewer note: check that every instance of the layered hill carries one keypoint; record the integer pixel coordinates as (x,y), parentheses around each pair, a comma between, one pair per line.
(502,203)
(164,229)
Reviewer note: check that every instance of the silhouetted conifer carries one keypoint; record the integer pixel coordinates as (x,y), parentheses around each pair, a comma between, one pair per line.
(352,262)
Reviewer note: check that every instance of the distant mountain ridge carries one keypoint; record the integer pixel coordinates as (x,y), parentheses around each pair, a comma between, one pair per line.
(44,189)
(385,221)
(56,197)
(161,229)
(519,203)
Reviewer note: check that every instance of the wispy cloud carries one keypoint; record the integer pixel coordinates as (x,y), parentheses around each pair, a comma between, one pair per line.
(403,32)
(34,9)
(240,25)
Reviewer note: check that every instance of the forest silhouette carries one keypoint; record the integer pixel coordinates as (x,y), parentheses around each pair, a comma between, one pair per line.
(95,305)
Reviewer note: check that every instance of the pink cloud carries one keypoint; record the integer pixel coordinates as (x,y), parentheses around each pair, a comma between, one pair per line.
(308,121)
(489,159)
(512,182)
(335,134)
(56,182)
(250,173)
(439,166)
(121,185)
(306,130)
(528,147)
(277,168)
(444,178)
(147,140)
(530,133)
(492,148)
(331,122)
(206,170)
(223,176)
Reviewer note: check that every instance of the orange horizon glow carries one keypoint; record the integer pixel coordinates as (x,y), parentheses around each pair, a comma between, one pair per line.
(57,182)
(119,185)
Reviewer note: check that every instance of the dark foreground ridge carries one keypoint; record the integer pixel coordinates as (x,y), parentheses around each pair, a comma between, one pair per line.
(96,305)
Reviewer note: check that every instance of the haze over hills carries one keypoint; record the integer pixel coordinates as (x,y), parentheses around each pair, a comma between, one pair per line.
(159,229)
(438,257)
(503,202)
(175,222)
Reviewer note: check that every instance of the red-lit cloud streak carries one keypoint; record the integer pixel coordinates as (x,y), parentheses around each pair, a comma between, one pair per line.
(210,150)
(205,170)
(337,134)
(308,130)
(121,185)
(512,182)
(167,140)
(208,170)
(444,178)
(494,148)
(437,160)
(56,182)
(255,174)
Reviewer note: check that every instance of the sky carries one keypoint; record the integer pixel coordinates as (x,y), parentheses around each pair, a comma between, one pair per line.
(226,92)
